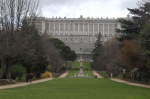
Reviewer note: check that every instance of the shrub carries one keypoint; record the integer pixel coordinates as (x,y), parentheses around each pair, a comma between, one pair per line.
(104,74)
(46,74)
(18,71)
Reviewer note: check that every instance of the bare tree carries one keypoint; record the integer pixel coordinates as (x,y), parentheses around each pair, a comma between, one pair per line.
(12,14)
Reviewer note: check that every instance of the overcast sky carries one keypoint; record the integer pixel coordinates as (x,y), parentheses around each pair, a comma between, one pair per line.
(87,8)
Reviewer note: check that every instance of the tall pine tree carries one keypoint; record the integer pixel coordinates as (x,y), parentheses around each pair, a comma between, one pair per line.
(98,50)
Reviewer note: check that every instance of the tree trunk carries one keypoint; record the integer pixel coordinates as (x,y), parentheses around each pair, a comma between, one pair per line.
(2,68)
(8,69)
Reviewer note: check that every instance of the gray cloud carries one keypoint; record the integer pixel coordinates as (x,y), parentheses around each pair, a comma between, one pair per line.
(93,8)
(128,4)
(61,2)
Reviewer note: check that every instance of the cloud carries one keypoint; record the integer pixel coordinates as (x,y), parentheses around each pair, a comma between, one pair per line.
(128,4)
(61,2)
(87,8)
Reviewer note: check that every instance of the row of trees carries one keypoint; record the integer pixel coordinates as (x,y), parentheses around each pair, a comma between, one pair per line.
(130,51)
(21,43)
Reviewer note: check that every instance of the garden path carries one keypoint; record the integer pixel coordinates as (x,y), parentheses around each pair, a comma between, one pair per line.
(97,74)
(64,74)
(24,83)
(130,83)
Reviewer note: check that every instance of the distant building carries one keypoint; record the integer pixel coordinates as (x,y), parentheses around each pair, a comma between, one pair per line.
(78,33)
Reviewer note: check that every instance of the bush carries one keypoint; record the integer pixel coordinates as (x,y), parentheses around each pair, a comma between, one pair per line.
(120,76)
(105,74)
(18,71)
(47,74)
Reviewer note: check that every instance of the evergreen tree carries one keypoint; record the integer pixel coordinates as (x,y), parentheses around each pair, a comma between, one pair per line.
(65,51)
(132,26)
(145,43)
(98,50)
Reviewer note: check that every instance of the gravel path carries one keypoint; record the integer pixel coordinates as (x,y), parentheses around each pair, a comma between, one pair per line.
(97,74)
(64,74)
(130,83)
(24,83)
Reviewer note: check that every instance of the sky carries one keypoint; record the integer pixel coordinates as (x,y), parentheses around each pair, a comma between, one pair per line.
(86,8)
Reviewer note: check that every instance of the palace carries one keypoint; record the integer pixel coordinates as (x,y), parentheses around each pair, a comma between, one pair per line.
(78,33)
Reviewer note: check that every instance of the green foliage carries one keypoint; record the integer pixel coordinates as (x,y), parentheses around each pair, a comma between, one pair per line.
(18,71)
(135,28)
(58,43)
(65,51)
(98,47)
(35,59)
(68,54)
(97,51)
(145,43)
(76,65)
(132,26)
(105,74)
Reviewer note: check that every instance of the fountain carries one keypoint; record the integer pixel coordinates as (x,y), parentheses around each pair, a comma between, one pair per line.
(81,68)
(81,73)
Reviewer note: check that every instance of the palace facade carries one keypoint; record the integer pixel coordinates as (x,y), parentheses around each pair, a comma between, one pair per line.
(78,33)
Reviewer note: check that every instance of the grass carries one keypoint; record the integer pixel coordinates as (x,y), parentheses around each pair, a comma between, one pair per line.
(73,72)
(75,69)
(86,65)
(77,88)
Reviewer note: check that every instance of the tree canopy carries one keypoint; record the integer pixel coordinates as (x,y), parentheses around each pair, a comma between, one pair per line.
(65,51)
(132,26)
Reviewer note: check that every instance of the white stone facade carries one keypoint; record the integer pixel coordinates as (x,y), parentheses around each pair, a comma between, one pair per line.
(78,33)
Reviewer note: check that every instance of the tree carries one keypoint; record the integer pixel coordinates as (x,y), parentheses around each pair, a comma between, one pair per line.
(131,54)
(145,43)
(58,43)
(18,71)
(131,27)
(12,14)
(56,62)
(110,62)
(39,60)
(98,50)
(65,51)
(68,54)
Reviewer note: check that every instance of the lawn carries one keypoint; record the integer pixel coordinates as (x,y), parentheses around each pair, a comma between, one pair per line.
(76,65)
(77,88)
(86,72)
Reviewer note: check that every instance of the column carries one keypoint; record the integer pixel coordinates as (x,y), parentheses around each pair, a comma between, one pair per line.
(93,28)
(73,28)
(43,27)
(83,29)
(78,28)
(59,29)
(54,29)
(108,29)
(103,30)
(64,28)
(98,29)
(88,29)
(49,28)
